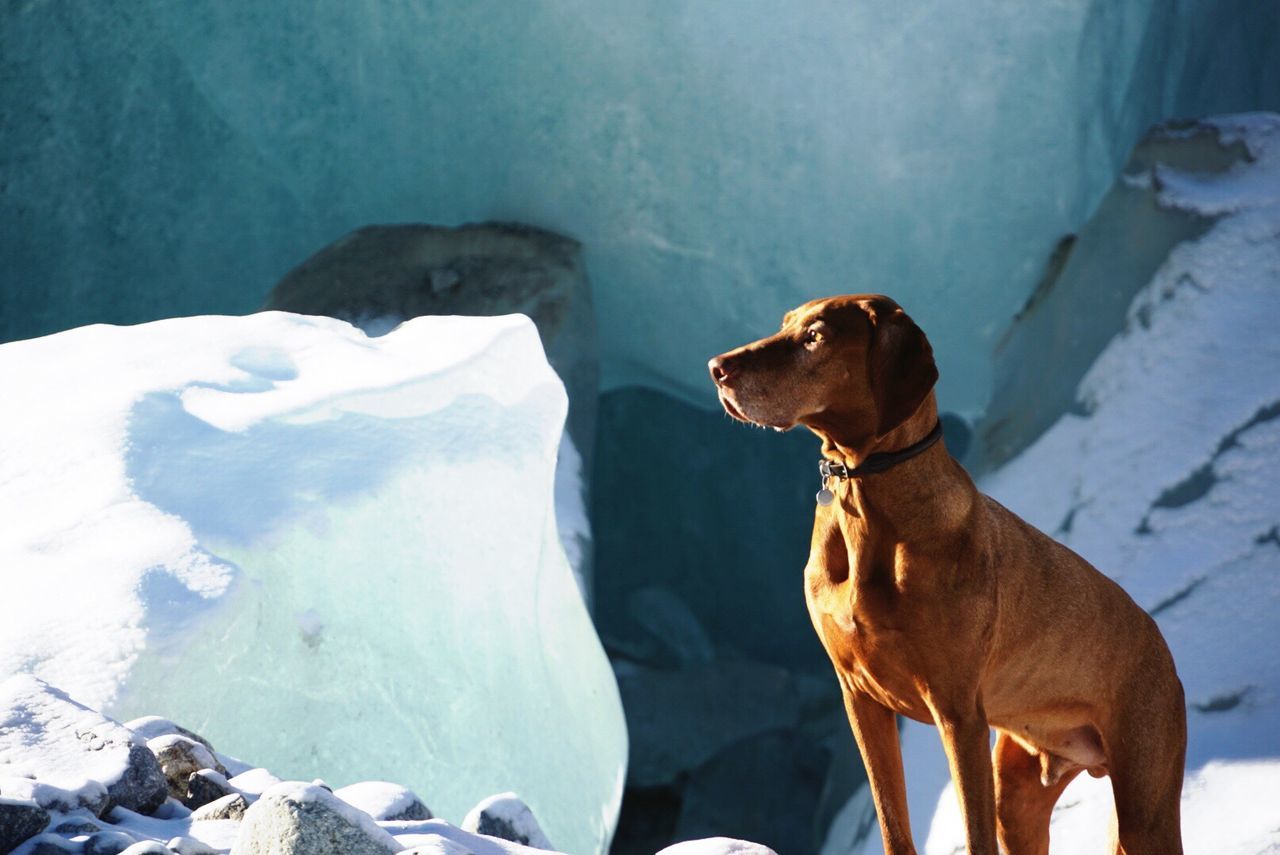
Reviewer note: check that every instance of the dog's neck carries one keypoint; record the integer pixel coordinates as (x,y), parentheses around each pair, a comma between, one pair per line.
(853,447)
(929,484)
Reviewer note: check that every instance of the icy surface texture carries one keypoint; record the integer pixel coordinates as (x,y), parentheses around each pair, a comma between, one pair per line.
(721,162)
(331,553)
(378,276)
(1168,485)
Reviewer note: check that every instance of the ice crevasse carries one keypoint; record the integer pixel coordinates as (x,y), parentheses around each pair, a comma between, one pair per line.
(334,553)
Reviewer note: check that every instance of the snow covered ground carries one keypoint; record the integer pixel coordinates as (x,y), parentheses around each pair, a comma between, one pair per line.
(1168,484)
(335,554)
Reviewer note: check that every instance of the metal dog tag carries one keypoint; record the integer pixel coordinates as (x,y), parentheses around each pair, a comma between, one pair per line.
(825,497)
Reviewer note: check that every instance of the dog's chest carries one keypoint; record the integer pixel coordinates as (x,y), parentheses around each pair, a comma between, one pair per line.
(856,601)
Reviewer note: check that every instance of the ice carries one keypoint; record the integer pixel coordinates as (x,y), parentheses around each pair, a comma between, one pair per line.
(334,554)
(1168,485)
(721,162)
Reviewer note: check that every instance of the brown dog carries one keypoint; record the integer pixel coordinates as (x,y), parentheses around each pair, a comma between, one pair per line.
(935,602)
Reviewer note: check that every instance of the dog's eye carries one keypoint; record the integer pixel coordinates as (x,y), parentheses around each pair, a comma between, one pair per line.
(812,337)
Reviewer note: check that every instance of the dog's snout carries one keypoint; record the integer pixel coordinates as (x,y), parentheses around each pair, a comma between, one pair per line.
(719,368)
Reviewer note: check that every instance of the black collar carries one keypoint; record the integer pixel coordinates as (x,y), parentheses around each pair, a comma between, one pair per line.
(880,461)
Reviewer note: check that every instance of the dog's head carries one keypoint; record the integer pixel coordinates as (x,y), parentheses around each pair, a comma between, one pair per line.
(853,365)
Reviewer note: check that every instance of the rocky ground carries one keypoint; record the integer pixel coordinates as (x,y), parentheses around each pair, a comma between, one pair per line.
(74,781)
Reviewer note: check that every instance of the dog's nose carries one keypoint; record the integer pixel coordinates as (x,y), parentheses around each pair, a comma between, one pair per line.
(719,369)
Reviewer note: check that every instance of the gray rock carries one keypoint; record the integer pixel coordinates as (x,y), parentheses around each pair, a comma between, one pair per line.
(678,720)
(294,818)
(179,758)
(764,788)
(18,821)
(506,816)
(47,736)
(1082,300)
(47,844)
(231,806)
(108,843)
(74,827)
(205,786)
(697,490)
(672,625)
(384,801)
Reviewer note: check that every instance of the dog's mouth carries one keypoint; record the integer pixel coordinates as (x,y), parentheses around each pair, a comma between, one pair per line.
(731,407)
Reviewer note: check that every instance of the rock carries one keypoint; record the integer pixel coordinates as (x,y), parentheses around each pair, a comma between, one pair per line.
(230,806)
(384,801)
(680,719)
(190,846)
(204,786)
(1082,300)
(765,788)
(153,726)
(672,625)
(717,846)
(47,736)
(20,820)
(74,827)
(108,843)
(509,818)
(48,844)
(703,539)
(294,818)
(180,757)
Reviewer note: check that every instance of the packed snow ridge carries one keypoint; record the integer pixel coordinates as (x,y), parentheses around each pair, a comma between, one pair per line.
(1168,484)
(333,553)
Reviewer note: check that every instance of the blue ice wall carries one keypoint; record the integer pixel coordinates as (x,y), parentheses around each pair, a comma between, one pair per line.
(721,161)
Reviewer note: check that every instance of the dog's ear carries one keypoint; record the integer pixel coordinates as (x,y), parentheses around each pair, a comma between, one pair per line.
(900,365)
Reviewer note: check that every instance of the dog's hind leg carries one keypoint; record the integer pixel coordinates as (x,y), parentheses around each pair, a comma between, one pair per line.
(1146,774)
(1023,802)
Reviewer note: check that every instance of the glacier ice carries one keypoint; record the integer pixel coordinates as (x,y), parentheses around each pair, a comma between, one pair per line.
(1167,484)
(335,554)
(721,162)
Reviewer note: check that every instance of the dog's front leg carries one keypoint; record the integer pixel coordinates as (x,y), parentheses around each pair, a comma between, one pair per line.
(966,736)
(876,729)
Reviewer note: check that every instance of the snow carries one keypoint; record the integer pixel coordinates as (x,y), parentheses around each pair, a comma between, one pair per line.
(1168,485)
(379,799)
(335,554)
(75,752)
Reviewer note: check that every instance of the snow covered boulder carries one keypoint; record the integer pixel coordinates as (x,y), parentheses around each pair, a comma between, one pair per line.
(302,819)
(385,802)
(509,818)
(717,846)
(179,759)
(48,737)
(365,525)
